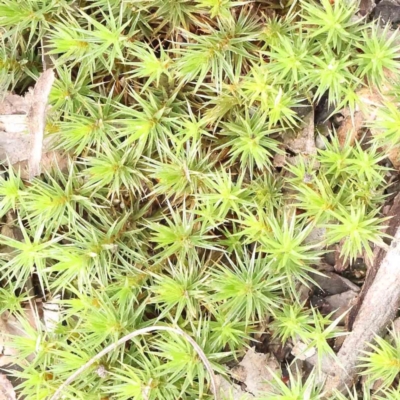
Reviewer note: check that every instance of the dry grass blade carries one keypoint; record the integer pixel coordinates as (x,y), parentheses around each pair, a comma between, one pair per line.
(37,119)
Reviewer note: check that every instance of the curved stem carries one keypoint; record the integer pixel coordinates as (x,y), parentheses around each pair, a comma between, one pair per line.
(130,336)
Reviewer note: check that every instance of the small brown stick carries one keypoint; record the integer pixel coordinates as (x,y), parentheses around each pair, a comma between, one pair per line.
(130,336)
(378,308)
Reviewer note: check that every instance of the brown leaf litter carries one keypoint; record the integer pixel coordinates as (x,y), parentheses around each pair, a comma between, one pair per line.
(22,123)
(6,389)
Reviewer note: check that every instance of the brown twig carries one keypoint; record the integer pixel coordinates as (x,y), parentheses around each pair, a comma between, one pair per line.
(130,336)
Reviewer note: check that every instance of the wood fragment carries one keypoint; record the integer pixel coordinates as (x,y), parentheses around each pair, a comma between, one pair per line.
(6,389)
(377,258)
(378,308)
(37,119)
(231,391)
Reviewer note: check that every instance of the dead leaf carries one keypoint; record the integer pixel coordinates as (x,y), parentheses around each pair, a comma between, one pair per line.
(230,391)
(340,263)
(11,326)
(371,99)
(304,142)
(302,351)
(313,163)
(22,120)
(255,371)
(14,105)
(316,237)
(394,157)
(309,354)
(396,325)
(6,389)
(51,314)
(279,160)
(352,125)
(51,160)
(303,292)
(350,129)
(340,304)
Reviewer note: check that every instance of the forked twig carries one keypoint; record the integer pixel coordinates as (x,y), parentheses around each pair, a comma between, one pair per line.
(130,336)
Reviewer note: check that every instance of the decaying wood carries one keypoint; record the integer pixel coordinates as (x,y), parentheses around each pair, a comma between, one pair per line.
(377,259)
(37,119)
(6,389)
(379,306)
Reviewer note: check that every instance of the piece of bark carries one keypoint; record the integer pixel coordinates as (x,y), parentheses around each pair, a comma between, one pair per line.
(379,307)
(14,105)
(13,124)
(7,391)
(37,119)
(9,327)
(378,255)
